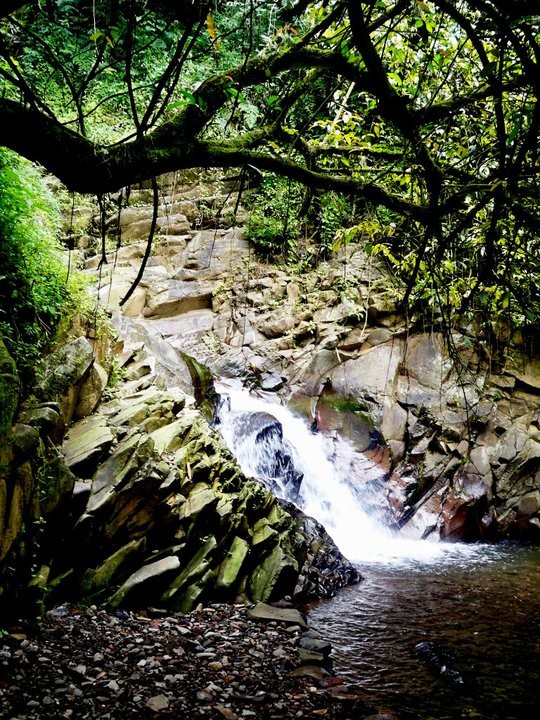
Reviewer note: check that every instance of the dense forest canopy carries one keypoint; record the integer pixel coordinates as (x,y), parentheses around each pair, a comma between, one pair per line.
(425,112)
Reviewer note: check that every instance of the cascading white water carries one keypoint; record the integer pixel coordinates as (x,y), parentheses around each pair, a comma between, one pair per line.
(333,475)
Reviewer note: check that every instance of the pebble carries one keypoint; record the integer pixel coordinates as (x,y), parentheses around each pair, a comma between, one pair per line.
(215,663)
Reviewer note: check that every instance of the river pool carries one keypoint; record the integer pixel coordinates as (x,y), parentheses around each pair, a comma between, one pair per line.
(453,636)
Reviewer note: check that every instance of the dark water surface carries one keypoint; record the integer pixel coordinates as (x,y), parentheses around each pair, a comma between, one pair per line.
(479,610)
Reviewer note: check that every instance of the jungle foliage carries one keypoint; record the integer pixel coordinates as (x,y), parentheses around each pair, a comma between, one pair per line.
(423,115)
(34,284)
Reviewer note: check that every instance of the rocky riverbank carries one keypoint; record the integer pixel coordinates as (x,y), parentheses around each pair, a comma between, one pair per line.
(219,662)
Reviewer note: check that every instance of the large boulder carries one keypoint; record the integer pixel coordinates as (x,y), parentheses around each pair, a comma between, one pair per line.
(62,374)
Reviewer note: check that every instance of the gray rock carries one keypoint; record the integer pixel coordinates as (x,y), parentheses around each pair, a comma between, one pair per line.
(90,391)
(180,297)
(86,443)
(268,613)
(145,576)
(62,372)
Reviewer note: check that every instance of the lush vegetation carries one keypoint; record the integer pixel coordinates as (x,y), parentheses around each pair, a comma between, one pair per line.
(33,280)
(421,116)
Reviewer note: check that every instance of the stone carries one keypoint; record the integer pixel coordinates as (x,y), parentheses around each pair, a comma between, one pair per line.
(311,649)
(480,458)
(354,340)
(136,303)
(9,388)
(171,436)
(272,382)
(13,519)
(274,577)
(271,613)
(101,578)
(169,364)
(86,443)
(201,498)
(510,444)
(173,224)
(62,372)
(264,536)
(24,439)
(145,576)
(378,336)
(197,566)
(313,376)
(529,504)
(371,376)
(45,418)
(528,373)
(158,703)
(194,323)
(394,421)
(91,390)
(230,568)
(180,297)
(119,468)
(213,253)
(277,326)
(56,485)
(137,230)
(425,360)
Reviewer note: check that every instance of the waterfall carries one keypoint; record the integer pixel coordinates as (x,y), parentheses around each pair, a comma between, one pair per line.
(322,474)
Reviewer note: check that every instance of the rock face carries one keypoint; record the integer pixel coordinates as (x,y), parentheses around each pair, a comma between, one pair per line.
(36,485)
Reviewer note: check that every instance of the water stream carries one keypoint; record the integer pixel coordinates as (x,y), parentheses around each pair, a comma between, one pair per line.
(435,630)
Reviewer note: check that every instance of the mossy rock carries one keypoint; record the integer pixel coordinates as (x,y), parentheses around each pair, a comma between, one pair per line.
(55,483)
(203,385)
(230,568)
(98,579)
(9,389)
(274,578)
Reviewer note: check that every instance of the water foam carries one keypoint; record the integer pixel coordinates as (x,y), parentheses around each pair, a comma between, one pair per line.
(333,488)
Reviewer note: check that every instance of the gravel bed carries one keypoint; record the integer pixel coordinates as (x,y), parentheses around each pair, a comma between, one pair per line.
(213,663)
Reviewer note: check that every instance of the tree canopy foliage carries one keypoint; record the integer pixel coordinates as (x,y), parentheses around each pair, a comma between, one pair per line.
(426,112)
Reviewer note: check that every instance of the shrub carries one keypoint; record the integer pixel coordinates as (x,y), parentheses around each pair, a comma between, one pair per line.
(33,279)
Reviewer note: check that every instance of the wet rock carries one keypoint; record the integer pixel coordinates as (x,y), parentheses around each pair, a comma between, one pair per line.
(266,612)
(274,577)
(272,382)
(313,650)
(438,661)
